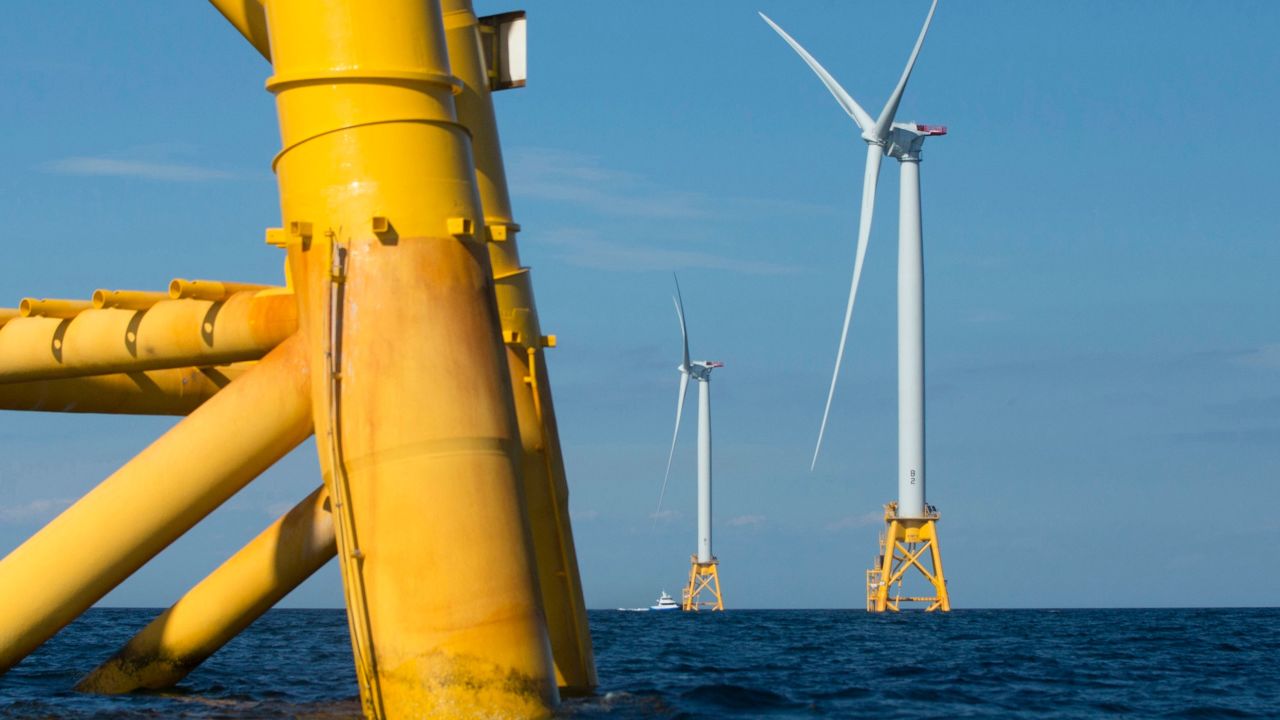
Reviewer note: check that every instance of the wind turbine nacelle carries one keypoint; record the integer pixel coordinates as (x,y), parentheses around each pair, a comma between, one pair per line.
(701,369)
(906,139)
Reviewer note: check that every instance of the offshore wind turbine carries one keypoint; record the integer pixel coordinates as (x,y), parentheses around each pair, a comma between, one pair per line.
(704,576)
(911,528)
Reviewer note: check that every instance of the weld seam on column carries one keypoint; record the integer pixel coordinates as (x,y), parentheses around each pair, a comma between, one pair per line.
(438,448)
(447,124)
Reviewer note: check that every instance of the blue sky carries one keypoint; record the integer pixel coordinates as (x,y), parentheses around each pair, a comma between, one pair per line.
(1101,249)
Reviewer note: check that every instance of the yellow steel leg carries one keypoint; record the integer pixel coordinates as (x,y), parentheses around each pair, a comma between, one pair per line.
(244,587)
(545,486)
(888,551)
(542,468)
(109,533)
(418,439)
(943,600)
(905,542)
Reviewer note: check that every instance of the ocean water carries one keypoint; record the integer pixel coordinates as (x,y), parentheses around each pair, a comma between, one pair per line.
(1213,663)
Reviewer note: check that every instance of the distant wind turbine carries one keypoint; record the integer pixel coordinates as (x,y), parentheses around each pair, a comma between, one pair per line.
(703,574)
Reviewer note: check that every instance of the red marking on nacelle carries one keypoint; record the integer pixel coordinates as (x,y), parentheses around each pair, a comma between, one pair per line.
(932,129)
(712,364)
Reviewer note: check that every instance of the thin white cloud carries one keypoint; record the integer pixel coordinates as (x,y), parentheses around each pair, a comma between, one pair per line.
(1266,356)
(672,216)
(574,178)
(583,515)
(664,516)
(112,167)
(586,248)
(746,520)
(40,509)
(850,522)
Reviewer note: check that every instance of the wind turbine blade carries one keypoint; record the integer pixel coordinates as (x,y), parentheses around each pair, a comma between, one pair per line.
(850,106)
(885,121)
(684,386)
(684,335)
(874,154)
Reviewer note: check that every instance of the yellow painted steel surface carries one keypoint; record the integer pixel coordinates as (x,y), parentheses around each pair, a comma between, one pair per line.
(704,579)
(905,543)
(542,466)
(52,308)
(247,17)
(398,360)
(169,334)
(378,196)
(126,299)
(289,551)
(158,495)
(154,392)
(216,290)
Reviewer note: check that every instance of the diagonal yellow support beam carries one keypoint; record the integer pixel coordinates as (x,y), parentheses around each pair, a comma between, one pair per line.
(153,499)
(230,598)
(910,558)
(247,17)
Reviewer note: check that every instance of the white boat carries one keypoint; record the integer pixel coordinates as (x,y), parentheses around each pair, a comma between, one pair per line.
(665,602)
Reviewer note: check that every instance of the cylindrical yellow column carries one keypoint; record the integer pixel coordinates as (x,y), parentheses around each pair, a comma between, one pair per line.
(154,392)
(378,195)
(168,334)
(145,505)
(289,551)
(546,490)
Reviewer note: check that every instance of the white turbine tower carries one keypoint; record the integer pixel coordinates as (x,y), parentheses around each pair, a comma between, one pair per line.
(703,573)
(911,524)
